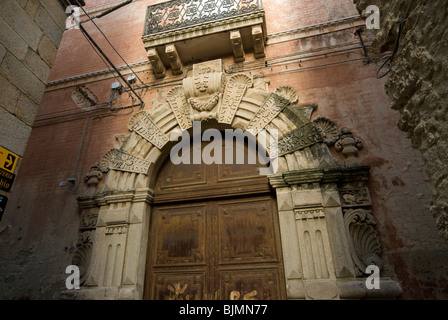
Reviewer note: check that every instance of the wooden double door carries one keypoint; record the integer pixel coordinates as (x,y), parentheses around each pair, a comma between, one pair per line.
(214,235)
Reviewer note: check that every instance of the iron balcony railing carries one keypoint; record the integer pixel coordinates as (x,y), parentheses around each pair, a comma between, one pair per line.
(179,14)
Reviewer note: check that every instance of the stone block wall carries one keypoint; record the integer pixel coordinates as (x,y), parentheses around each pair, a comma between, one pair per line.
(30,35)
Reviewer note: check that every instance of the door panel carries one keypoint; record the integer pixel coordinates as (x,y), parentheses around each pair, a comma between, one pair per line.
(227,249)
(179,182)
(180,236)
(179,286)
(246,231)
(252,284)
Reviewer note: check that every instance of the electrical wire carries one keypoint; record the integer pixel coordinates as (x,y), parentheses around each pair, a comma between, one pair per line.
(249,66)
(105,37)
(389,60)
(99,55)
(84,31)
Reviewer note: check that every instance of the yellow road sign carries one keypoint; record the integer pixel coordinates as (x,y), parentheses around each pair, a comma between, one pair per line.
(8,160)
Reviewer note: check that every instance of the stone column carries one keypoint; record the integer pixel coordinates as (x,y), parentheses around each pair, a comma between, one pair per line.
(322,213)
(118,256)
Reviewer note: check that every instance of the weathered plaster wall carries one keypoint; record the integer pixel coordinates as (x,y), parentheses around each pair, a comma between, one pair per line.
(417,85)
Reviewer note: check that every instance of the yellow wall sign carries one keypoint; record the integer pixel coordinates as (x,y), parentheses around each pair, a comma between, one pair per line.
(8,160)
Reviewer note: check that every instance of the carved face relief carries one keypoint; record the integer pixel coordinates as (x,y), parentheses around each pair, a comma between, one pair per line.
(201,82)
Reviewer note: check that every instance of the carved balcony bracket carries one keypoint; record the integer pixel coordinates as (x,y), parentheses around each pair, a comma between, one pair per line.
(202,30)
(237,46)
(259,43)
(173,56)
(156,63)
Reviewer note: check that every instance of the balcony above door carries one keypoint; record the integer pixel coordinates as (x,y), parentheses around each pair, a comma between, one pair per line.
(181,32)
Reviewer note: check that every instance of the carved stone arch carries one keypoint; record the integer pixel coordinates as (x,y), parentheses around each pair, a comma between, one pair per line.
(309,183)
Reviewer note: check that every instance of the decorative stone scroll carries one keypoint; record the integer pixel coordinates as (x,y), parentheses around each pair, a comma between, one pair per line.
(83,251)
(178,102)
(299,138)
(235,89)
(142,124)
(207,67)
(116,159)
(84,98)
(365,247)
(270,109)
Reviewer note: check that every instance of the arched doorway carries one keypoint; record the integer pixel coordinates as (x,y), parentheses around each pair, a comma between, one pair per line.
(214,233)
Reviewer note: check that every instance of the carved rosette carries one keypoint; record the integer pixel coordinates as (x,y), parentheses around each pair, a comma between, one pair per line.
(116,159)
(142,124)
(364,244)
(270,109)
(328,129)
(179,105)
(235,89)
(288,93)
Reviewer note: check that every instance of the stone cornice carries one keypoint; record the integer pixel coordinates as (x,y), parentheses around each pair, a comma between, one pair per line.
(316,29)
(309,176)
(102,199)
(96,76)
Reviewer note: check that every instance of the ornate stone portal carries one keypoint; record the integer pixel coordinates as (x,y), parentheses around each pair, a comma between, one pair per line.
(327,225)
